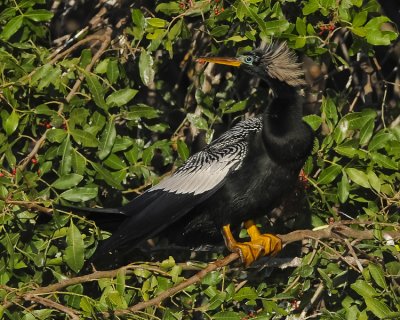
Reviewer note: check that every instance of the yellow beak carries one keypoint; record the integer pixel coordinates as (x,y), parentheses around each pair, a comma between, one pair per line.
(220,60)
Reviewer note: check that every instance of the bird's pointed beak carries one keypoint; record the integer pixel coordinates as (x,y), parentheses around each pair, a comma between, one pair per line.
(235,62)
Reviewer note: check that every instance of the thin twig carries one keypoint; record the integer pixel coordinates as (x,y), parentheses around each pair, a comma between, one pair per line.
(90,38)
(314,298)
(33,153)
(106,41)
(353,254)
(30,205)
(181,286)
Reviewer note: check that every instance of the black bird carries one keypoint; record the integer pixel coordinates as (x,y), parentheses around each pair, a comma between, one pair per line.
(239,176)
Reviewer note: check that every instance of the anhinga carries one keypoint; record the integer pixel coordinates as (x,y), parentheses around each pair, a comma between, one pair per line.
(239,176)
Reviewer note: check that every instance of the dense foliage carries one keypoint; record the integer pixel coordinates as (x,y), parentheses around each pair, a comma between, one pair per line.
(99,102)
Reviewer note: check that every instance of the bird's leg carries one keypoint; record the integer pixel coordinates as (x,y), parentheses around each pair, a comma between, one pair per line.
(260,244)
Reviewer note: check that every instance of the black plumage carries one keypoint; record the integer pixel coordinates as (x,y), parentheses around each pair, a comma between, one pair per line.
(239,176)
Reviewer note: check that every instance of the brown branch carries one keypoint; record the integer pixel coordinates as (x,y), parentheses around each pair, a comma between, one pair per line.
(75,46)
(337,230)
(105,43)
(33,153)
(30,205)
(330,231)
(52,304)
(106,40)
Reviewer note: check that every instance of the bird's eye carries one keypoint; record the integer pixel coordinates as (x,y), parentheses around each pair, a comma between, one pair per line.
(249,59)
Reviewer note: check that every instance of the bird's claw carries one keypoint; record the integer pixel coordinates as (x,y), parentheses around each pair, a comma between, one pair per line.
(260,244)
(263,245)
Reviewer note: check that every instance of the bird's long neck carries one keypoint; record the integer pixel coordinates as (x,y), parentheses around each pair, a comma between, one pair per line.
(285,135)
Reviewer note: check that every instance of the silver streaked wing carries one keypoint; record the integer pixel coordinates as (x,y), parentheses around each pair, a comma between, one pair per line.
(206,169)
(204,177)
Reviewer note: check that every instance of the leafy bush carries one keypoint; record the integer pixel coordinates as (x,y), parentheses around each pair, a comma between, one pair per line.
(95,109)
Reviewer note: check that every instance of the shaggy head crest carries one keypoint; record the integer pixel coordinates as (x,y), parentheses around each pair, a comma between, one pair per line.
(280,63)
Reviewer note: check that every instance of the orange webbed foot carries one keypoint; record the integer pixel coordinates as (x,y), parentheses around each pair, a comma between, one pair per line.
(259,246)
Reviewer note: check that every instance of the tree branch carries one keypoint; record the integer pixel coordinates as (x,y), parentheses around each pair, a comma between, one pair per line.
(52,304)
(330,231)
(338,230)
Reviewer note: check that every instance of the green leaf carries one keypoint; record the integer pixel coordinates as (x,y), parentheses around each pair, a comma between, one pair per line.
(301,27)
(327,280)
(237,38)
(74,253)
(219,31)
(379,140)
(121,144)
(255,17)
(245,293)
(42,72)
(374,181)
(39,15)
(11,123)
(212,278)
(114,298)
(114,162)
(343,188)
(364,289)
(377,38)
(168,8)
(374,33)
(56,135)
(236,107)
(176,30)
(84,137)
(78,162)
(64,150)
(329,112)
(310,7)
(146,68)
(112,71)
(313,121)
(11,27)
(377,274)
(377,307)
(226,315)
(384,161)
(329,174)
(300,42)
(366,131)
(80,194)
(96,90)
(157,22)
(183,150)
(275,27)
(102,66)
(197,121)
(138,18)
(140,111)
(106,175)
(358,177)
(107,140)
(67,181)
(360,18)
(121,97)
(216,300)
(357,120)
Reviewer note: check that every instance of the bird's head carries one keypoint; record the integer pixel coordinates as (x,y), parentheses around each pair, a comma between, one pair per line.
(275,63)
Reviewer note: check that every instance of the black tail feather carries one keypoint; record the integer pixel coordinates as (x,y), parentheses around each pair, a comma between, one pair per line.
(108,219)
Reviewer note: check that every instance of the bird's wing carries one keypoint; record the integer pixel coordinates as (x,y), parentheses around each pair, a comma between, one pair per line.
(199,178)
(171,199)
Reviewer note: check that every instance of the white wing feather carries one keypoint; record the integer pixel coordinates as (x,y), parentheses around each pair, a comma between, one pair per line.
(205,178)
(208,168)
